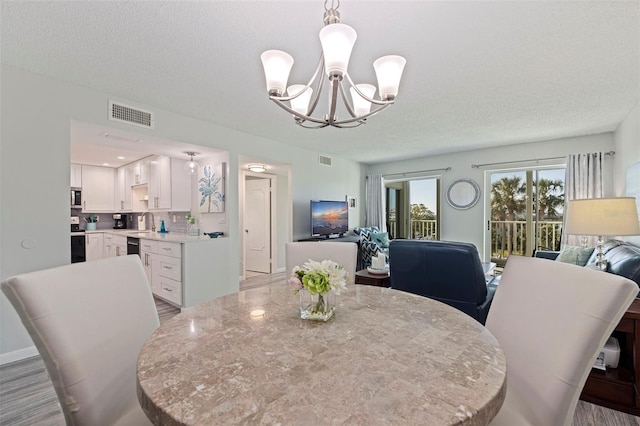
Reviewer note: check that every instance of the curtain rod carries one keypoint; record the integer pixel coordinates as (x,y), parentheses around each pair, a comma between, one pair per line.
(445,169)
(477,166)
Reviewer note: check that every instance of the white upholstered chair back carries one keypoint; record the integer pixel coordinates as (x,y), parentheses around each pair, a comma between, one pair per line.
(552,319)
(344,254)
(89,321)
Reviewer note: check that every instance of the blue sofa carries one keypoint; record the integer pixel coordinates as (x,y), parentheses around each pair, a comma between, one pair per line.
(450,272)
(623,259)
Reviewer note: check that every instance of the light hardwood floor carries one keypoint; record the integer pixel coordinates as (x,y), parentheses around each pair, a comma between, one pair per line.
(27,397)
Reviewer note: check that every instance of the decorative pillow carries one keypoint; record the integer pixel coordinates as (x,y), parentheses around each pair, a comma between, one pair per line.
(365,233)
(380,238)
(575,255)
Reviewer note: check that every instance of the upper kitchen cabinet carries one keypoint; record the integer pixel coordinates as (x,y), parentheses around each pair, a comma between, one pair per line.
(140,172)
(98,189)
(123,188)
(76,176)
(169,185)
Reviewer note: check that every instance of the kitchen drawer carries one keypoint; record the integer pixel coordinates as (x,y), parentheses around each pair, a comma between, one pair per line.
(170,267)
(148,246)
(169,249)
(171,290)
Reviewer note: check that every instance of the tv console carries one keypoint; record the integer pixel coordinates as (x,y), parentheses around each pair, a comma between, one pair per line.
(343,239)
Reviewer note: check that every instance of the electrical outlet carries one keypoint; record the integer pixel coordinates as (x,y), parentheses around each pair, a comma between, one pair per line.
(174,218)
(97,218)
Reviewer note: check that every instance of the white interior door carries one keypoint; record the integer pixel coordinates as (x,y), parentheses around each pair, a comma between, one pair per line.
(257,221)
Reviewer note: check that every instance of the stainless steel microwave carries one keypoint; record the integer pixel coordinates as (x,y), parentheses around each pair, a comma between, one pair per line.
(76,198)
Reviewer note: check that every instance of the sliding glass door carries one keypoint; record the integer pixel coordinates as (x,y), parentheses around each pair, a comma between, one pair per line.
(525,211)
(413,208)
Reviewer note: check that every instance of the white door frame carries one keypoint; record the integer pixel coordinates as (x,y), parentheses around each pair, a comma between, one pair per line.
(273,234)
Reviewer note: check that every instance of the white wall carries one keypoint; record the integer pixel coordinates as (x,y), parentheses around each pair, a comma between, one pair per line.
(468,225)
(34,176)
(627,143)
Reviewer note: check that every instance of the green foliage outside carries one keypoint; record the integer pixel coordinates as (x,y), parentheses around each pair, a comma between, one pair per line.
(508,203)
(421,212)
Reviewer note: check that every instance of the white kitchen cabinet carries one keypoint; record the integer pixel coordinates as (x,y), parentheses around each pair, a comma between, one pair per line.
(160,183)
(163,262)
(123,189)
(169,185)
(114,245)
(149,257)
(140,172)
(98,189)
(76,176)
(93,246)
(119,245)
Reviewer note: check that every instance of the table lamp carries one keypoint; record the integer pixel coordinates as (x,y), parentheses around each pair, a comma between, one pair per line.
(602,217)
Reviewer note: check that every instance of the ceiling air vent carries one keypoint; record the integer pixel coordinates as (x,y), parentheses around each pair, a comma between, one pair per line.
(325,160)
(127,114)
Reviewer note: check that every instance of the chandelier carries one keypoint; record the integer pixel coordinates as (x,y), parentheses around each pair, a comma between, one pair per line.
(337,41)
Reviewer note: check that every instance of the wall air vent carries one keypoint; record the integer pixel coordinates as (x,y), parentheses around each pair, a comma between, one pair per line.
(127,114)
(325,160)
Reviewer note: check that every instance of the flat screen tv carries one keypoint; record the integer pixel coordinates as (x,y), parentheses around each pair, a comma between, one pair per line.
(329,218)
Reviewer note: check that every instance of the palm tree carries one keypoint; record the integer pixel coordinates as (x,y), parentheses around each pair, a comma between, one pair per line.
(550,195)
(550,198)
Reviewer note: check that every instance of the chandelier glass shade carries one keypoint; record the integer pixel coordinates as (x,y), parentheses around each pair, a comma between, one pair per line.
(301,100)
(192,165)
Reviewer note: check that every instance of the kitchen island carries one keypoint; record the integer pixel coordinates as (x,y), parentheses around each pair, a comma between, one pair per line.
(183,270)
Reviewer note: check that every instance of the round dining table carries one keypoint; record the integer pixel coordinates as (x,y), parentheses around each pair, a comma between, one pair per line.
(387,357)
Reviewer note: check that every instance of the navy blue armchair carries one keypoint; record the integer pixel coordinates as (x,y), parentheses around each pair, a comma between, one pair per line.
(450,272)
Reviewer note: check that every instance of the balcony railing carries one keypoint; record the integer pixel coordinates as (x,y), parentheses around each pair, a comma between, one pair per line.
(423,229)
(510,237)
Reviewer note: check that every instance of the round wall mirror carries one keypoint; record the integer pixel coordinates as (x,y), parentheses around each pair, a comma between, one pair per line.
(463,194)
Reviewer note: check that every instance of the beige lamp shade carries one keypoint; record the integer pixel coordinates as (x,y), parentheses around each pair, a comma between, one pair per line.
(602,217)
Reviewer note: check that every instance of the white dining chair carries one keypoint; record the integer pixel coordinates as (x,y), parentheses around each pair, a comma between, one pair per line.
(89,321)
(552,319)
(345,254)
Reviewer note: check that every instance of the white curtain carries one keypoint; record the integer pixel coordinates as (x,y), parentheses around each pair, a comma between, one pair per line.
(375,204)
(583,179)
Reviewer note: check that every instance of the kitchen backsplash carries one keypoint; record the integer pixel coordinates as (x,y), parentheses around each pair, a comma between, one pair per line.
(106,221)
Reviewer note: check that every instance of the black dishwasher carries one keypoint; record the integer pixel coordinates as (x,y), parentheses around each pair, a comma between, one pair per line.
(133,245)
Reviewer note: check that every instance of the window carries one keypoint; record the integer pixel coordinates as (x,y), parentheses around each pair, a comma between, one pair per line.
(525,212)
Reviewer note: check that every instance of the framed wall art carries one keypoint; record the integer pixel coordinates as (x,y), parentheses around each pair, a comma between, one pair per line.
(211,188)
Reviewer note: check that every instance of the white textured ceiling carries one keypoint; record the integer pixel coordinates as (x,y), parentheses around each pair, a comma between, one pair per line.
(478,73)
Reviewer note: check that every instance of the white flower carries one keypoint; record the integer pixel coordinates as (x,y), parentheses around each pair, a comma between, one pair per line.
(335,275)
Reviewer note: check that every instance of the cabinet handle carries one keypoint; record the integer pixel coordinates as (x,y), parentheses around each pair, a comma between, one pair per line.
(167,267)
(165,248)
(168,289)
(121,204)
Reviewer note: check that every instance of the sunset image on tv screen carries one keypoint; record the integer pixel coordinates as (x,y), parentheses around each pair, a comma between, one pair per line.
(329,217)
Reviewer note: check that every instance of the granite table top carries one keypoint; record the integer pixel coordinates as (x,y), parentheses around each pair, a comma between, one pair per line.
(387,357)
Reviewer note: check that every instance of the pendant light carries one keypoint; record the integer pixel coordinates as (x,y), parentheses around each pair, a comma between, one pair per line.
(192,165)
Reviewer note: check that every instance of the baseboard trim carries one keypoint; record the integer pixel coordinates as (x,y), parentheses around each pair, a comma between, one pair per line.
(18,355)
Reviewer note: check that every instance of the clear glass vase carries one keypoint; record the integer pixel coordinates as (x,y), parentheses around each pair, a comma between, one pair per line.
(317,307)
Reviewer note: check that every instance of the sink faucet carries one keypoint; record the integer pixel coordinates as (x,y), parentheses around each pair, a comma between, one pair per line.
(153,221)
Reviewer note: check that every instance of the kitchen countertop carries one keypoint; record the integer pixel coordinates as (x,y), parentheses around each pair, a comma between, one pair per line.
(149,235)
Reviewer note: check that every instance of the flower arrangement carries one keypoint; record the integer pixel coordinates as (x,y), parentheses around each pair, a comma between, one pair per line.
(318,278)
